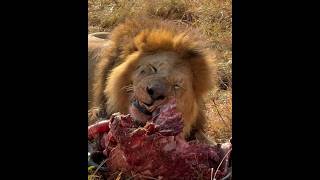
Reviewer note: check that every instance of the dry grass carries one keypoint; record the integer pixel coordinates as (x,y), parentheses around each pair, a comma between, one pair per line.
(212,17)
(95,177)
(219,113)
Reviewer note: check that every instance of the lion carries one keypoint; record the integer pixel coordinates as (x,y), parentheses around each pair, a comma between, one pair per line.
(144,63)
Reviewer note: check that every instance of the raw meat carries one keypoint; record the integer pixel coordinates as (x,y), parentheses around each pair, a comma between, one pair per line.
(157,149)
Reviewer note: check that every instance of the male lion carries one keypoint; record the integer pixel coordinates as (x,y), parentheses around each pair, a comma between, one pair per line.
(147,61)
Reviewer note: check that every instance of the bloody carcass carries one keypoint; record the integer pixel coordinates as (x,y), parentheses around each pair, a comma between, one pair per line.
(157,149)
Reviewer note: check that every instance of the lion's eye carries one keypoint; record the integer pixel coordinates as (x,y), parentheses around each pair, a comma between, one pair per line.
(153,68)
(176,86)
(138,66)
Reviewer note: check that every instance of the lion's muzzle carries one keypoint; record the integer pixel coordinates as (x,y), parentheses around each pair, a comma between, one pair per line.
(157,90)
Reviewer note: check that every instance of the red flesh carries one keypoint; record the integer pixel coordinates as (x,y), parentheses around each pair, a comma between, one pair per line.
(156,150)
(98,128)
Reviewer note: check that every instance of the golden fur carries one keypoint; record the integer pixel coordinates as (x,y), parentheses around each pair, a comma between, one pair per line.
(181,56)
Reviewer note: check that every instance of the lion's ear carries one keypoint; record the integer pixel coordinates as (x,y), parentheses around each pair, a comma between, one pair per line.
(191,54)
(204,72)
(188,47)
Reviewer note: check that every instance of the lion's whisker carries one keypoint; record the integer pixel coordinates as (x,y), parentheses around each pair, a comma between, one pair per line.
(128,88)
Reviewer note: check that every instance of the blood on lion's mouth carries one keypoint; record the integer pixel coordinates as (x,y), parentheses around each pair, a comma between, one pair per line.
(141,107)
(143,112)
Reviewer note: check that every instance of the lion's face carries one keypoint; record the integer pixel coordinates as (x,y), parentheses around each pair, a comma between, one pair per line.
(154,66)
(156,78)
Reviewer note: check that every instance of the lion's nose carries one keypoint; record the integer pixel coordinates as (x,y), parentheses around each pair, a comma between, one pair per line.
(156,91)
